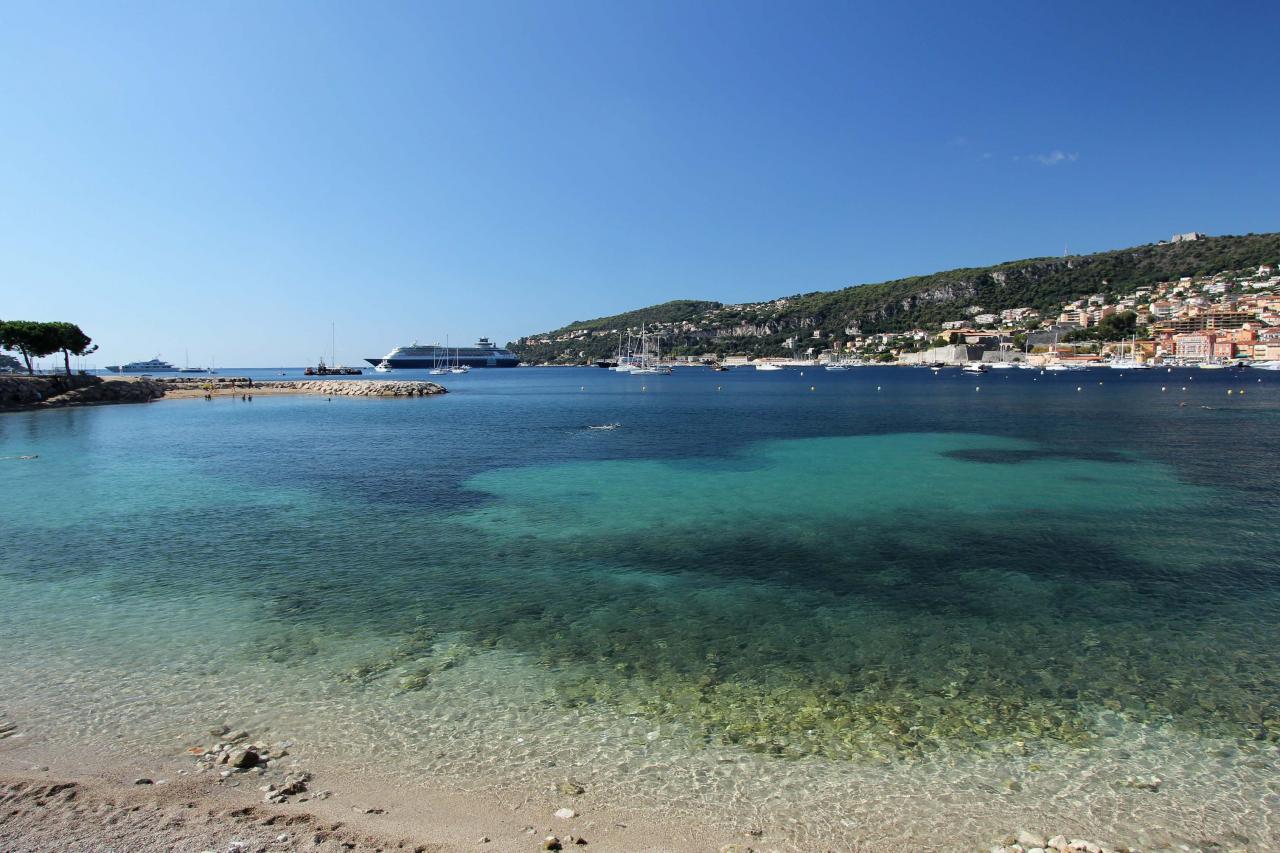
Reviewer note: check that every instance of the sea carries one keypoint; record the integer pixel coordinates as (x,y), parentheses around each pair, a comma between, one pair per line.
(887,608)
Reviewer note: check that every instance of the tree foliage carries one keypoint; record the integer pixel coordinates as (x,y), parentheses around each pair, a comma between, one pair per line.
(33,339)
(1117,327)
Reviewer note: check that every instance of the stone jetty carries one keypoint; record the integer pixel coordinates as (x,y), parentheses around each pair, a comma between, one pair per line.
(355,388)
(222,386)
(51,392)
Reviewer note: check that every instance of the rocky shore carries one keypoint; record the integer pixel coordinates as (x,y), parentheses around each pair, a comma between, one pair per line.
(242,385)
(358,388)
(19,393)
(52,392)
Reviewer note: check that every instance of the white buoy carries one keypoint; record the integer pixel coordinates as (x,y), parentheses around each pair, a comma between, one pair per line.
(977,388)
(1078,388)
(1162,388)
(877,387)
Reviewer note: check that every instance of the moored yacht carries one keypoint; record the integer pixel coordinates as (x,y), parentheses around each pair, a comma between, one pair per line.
(151,365)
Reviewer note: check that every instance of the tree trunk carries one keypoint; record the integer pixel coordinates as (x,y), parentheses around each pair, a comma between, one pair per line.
(26,356)
(66,361)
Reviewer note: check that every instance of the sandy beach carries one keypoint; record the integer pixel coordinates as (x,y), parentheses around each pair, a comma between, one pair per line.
(62,797)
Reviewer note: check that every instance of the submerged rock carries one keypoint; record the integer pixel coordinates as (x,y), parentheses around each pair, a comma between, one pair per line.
(1031,839)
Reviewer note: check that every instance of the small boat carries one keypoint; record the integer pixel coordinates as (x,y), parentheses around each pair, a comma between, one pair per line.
(336,370)
(1211,365)
(718,367)
(836,365)
(603,426)
(974,367)
(383,366)
(765,365)
(1001,365)
(651,370)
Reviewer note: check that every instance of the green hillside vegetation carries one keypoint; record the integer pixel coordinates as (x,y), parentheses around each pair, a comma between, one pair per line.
(675,311)
(919,302)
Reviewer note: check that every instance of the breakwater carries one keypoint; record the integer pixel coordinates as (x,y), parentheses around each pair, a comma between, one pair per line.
(19,393)
(357,388)
(223,385)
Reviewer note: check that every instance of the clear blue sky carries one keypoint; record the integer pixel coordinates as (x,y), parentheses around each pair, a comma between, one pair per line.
(230,177)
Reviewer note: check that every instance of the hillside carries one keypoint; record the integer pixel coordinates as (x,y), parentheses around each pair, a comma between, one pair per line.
(925,302)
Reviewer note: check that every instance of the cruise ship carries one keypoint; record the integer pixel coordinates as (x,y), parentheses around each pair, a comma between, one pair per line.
(418,357)
(151,365)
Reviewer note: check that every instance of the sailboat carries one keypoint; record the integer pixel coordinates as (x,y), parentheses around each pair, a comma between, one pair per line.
(1130,363)
(456,366)
(622,364)
(438,369)
(650,365)
(187,368)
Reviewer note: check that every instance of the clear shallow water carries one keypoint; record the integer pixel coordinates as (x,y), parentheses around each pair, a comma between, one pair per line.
(790,606)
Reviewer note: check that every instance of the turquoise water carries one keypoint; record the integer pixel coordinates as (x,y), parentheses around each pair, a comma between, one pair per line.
(886,575)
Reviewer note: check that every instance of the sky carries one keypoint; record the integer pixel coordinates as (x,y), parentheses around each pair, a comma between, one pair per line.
(226,182)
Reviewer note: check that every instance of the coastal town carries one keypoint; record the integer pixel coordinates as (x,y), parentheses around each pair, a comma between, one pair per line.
(1225,318)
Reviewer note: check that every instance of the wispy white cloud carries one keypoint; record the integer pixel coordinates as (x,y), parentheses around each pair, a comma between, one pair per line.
(1055,157)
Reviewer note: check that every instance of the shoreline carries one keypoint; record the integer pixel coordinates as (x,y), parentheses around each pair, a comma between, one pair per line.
(61,797)
(33,393)
(164,796)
